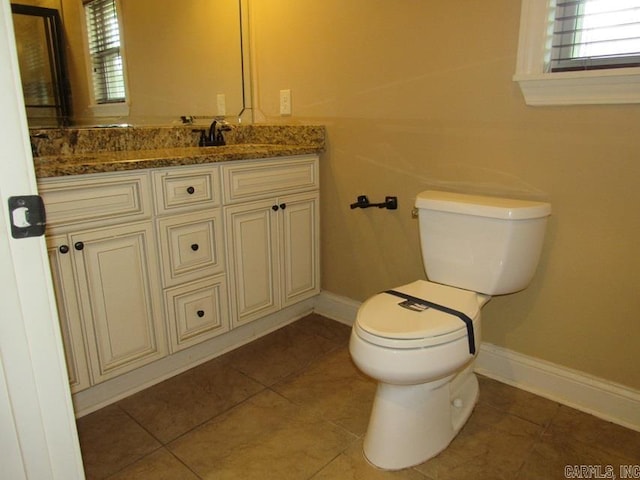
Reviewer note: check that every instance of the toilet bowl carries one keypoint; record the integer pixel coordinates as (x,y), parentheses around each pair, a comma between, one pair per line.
(415,354)
(419,340)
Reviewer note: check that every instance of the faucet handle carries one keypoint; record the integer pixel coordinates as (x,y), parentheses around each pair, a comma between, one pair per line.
(224,126)
(202,141)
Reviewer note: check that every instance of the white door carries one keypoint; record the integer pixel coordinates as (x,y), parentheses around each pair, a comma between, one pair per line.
(38,439)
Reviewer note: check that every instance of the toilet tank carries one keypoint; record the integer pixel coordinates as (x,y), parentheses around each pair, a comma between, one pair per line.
(485,244)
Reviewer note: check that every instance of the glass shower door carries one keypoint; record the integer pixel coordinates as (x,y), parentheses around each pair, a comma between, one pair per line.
(40,48)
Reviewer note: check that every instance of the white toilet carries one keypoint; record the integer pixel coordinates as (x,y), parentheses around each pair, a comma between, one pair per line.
(419,340)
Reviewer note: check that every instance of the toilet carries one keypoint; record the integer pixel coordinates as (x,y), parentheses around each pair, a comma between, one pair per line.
(419,340)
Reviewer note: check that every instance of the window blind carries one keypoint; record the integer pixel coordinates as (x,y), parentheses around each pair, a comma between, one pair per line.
(595,34)
(104,48)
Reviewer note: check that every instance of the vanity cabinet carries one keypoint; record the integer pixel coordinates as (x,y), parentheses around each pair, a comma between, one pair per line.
(190,235)
(272,221)
(149,264)
(105,277)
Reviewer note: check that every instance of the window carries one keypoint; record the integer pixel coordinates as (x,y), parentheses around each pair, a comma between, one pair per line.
(595,34)
(107,67)
(579,51)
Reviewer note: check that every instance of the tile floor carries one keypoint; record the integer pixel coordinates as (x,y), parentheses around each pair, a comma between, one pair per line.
(291,405)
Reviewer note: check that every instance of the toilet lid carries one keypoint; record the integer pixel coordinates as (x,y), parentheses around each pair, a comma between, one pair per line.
(390,320)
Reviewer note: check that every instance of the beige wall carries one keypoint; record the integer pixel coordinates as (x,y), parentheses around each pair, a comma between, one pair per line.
(418,94)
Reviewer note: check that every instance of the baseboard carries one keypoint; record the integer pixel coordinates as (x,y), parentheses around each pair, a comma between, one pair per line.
(602,398)
(108,392)
(335,307)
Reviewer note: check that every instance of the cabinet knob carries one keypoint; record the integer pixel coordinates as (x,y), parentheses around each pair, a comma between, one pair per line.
(275,208)
(200,313)
(63,248)
(283,206)
(195,247)
(191,190)
(78,245)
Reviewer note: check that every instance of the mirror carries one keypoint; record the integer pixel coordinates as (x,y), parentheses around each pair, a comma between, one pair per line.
(182,58)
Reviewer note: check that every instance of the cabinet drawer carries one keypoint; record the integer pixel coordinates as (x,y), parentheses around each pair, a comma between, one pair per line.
(197,311)
(191,246)
(260,179)
(180,189)
(105,198)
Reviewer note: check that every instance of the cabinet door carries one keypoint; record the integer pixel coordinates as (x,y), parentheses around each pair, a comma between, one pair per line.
(121,300)
(252,244)
(299,220)
(68,311)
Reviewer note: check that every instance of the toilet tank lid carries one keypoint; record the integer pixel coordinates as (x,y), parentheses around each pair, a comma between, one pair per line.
(482,206)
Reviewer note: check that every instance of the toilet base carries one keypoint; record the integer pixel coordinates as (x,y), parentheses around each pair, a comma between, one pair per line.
(410,424)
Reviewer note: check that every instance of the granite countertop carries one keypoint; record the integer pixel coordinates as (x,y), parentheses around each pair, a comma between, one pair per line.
(75,151)
(61,165)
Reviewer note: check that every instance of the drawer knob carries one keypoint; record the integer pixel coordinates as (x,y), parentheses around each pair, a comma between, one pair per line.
(78,245)
(275,208)
(283,206)
(195,247)
(191,190)
(200,313)
(63,249)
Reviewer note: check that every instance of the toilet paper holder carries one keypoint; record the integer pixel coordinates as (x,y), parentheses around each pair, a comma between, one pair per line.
(390,203)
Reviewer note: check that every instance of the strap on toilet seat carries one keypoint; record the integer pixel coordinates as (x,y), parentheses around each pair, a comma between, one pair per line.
(420,302)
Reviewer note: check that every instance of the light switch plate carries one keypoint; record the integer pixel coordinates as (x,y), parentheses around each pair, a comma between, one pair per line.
(285,102)
(221,101)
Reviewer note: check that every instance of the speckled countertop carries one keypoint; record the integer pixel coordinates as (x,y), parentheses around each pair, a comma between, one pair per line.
(83,151)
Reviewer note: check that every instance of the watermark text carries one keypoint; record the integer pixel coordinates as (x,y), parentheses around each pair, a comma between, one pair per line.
(601,471)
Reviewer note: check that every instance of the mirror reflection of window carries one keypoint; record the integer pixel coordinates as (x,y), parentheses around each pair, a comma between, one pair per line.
(103,32)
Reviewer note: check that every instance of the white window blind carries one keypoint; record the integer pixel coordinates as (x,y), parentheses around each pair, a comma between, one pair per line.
(595,34)
(104,48)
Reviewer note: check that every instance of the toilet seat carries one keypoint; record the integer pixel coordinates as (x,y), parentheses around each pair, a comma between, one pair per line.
(382,321)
